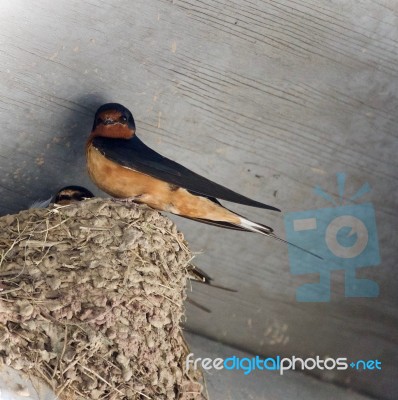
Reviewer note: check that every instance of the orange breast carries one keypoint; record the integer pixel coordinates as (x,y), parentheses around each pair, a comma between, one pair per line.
(122,182)
(119,181)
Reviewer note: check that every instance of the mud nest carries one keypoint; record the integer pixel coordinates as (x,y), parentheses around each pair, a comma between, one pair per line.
(91,299)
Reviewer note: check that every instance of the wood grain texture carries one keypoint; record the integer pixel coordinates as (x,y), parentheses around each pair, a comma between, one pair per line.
(270,98)
(260,385)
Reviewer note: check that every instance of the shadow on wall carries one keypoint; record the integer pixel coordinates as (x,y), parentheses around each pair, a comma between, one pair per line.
(52,157)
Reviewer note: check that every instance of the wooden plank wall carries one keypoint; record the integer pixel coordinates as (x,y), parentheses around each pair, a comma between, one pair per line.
(270,98)
(260,385)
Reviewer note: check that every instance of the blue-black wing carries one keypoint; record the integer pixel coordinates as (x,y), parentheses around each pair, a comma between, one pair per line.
(134,154)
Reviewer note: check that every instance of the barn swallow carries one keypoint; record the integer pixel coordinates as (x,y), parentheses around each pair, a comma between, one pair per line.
(121,165)
(72,194)
(65,196)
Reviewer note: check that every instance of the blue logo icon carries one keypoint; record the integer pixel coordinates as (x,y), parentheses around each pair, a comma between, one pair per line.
(344,235)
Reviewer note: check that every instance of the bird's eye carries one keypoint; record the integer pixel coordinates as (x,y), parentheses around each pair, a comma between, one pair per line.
(98,121)
(123,118)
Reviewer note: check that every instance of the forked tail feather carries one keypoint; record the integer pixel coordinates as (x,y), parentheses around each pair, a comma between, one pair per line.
(268,231)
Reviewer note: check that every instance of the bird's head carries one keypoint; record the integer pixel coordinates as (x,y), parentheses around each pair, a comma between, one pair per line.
(114,121)
(71,194)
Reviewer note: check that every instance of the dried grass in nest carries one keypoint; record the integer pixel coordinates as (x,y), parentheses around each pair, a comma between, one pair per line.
(91,299)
